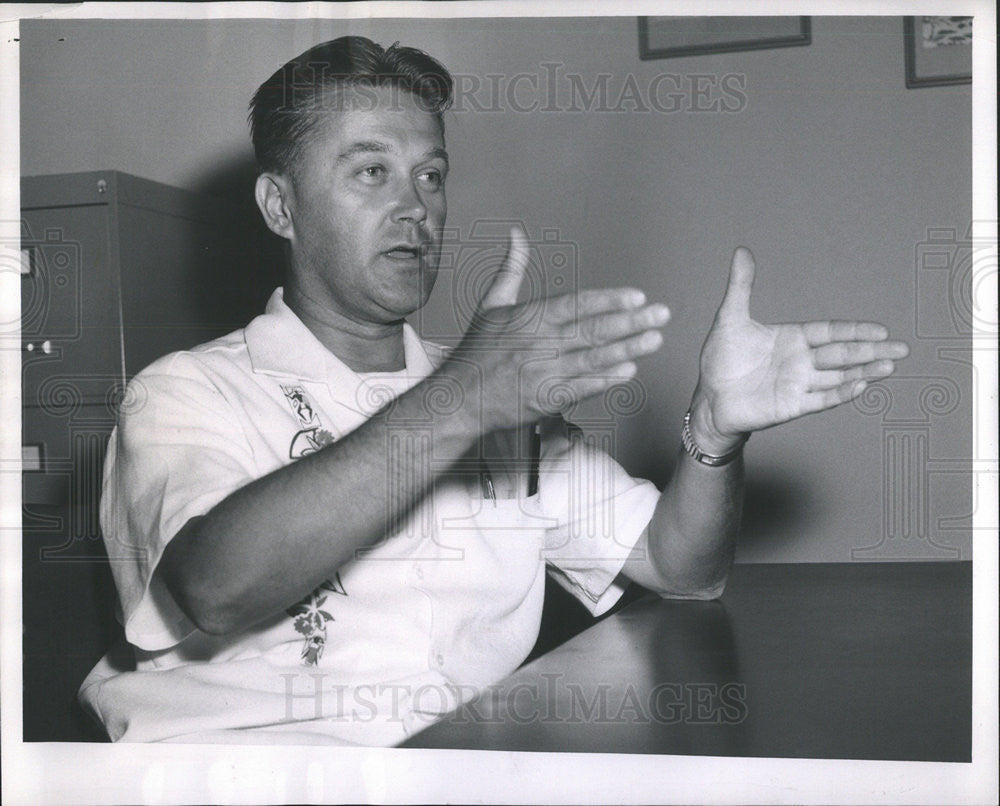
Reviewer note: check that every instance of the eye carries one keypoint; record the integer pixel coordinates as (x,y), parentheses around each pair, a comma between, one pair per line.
(432,178)
(372,172)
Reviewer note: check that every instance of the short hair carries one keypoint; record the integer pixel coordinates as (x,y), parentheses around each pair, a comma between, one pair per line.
(288,107)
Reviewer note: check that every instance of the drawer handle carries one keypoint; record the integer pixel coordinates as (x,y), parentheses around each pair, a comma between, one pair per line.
(45,347)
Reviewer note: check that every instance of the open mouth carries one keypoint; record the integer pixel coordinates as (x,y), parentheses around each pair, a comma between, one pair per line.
(405,252)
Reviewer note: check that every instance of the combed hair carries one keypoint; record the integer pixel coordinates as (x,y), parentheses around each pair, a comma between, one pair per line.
(289,105)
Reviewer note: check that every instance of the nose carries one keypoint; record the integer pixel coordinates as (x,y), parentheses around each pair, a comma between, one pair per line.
(409,206)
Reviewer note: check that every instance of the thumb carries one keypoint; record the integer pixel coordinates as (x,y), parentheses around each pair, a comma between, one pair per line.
(507,281)
(736,303)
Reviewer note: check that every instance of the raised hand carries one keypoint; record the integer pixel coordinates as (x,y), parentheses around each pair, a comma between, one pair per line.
(586,341)
(754,376)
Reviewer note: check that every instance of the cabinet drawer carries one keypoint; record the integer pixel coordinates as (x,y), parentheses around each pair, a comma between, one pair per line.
(70,305)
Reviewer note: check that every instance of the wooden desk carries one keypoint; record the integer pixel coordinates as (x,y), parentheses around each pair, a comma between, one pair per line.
(850,661)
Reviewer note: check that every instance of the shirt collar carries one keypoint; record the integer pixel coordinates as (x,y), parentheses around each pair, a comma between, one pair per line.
(279,343)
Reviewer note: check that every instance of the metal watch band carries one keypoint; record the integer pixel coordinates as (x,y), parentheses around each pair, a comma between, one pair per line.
(699,455)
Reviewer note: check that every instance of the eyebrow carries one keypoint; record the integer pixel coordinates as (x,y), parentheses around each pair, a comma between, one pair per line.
(377,147)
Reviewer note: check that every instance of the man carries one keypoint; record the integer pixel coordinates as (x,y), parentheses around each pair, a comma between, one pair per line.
(311,543)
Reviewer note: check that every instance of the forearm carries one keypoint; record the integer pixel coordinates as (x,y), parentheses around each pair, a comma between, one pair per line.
(272,541)
(688,546)
(692,535)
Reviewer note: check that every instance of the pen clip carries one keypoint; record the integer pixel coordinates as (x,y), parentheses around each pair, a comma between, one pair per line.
(536,457)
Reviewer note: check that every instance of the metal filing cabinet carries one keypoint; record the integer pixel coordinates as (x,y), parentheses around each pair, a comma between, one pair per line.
(116,271)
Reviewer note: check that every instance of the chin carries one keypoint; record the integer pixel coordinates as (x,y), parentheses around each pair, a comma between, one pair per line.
(397,309)
(399,297)
(416,299)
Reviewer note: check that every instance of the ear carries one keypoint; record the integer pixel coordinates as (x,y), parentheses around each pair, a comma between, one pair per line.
(273,193)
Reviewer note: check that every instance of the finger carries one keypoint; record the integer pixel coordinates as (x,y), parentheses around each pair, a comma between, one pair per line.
(829,398)
(507,281)
(569,308)
(828,379)
(820,333)
(591,385)
(736,303)
(844,354)
(583,362)
(608,327)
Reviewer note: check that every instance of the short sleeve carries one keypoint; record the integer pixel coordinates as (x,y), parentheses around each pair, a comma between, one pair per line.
(177,451)
(600,513)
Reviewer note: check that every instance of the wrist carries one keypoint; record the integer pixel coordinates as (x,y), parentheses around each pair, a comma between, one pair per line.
(706,435)
(466,423)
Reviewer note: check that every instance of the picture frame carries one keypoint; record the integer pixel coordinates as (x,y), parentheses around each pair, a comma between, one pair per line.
(937,51)
(676,37)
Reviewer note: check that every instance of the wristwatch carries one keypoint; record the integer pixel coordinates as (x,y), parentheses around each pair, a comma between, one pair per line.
(699,455)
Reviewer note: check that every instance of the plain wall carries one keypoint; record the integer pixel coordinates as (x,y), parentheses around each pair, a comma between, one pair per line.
(831,171)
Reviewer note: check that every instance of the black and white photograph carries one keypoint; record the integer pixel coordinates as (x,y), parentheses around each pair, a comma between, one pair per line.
(499,403)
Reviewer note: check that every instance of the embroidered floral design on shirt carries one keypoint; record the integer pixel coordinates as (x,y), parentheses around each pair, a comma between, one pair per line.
(309,441)
(296,397)
(310,619)
(312,436)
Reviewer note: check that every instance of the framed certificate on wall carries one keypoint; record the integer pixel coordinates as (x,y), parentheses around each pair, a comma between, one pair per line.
(673,37)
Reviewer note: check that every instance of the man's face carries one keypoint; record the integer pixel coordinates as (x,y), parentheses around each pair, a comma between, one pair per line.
(368,205)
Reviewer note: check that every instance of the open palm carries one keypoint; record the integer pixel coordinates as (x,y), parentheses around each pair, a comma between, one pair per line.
(754,376)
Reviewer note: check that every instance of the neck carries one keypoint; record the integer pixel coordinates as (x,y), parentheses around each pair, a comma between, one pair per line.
(363,346)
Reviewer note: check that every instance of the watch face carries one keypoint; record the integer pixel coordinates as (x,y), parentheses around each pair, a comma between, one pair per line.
(706,458)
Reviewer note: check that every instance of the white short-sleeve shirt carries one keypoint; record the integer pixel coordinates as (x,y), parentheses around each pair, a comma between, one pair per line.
(447,603)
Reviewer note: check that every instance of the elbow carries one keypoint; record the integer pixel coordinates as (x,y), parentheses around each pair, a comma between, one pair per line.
(208,605)
(217,628)
(213,620)
(205,609)
(698,593)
